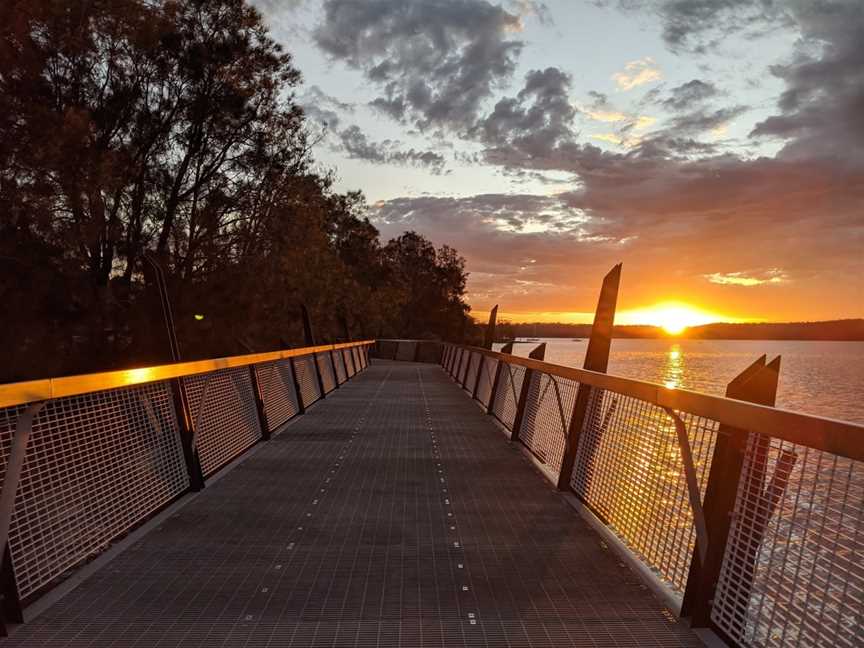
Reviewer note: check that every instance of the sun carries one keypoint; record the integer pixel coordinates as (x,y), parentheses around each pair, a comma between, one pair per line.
(673,317)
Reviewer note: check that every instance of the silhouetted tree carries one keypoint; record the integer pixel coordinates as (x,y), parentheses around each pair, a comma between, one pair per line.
(167,126)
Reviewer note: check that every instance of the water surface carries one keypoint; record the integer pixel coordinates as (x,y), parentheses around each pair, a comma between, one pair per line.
(823,378)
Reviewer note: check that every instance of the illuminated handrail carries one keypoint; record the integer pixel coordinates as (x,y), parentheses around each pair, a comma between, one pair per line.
(20,393)
(842,438)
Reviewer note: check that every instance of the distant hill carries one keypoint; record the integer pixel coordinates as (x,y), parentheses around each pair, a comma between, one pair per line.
(846,329)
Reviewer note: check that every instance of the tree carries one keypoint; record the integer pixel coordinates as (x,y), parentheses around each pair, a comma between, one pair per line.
(170,126)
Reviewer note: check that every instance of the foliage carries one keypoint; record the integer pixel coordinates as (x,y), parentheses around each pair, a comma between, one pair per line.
(171,127)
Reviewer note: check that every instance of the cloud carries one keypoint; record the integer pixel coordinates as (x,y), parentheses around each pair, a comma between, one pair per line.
(690,94)
(605,115)
(773,276)
(317,96)
(323,108)
(435,62)
(535,120)
(637,73)
(357,145)
(821,107)
(701,25)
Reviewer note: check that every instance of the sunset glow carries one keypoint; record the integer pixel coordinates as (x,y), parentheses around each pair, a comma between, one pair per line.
(672,317)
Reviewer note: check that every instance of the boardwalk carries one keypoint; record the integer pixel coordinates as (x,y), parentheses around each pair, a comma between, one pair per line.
(394,513)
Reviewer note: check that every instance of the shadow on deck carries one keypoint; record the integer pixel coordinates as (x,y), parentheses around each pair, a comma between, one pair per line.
(394,514)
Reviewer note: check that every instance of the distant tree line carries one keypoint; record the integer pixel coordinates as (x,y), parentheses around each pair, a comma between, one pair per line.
(839,330)
(172,128)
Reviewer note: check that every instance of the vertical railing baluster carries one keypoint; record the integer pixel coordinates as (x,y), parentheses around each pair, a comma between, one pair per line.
(301,408)
(259,404)
(183,411)
(480,366)
(333,366)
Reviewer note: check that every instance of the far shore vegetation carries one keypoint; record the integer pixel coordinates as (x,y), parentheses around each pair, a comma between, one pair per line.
(839,330)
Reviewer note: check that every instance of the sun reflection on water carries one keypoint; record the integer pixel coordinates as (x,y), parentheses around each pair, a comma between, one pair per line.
(673,369)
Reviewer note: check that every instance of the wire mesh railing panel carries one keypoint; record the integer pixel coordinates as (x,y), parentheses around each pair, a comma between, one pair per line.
(793,570)
(349,364)
(326,371)
(472,367)
(507,395)
(463,368)
(629,470)
(224,415)
(307,379)
(95,465)
(276,381)
(548,409)
(339,361)
(487,378)
(455,364)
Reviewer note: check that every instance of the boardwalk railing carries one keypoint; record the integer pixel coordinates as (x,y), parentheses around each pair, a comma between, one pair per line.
(787,570)
(85,459)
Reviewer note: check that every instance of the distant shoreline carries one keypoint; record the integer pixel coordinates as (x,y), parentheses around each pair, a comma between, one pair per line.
(848,330)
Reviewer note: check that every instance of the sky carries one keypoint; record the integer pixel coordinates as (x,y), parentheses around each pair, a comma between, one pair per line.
(715,147)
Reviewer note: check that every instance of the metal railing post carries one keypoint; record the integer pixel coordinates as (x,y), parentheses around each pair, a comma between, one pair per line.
(333,366)
(480,367)
(351,358)
(464,381)
(507,348)
(10,607)
(301,408)
(596,359)
(756,384)
(537,354)
(318,376)
(187,434)
(259,404)
(460,354)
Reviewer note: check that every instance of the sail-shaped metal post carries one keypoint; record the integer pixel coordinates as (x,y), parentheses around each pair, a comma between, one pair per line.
(310,342)
(596,359)
(526,394)
(489,335)
(756,384)
(507,348)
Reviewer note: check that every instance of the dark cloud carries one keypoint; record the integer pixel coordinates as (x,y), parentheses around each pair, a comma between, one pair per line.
(357,145)
(701,25)
(535,121)
(317,96)
(673,221)
(435,60)
(822,106)
(690,94)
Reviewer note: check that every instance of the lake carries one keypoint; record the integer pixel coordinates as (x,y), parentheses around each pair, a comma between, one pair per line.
(823,378)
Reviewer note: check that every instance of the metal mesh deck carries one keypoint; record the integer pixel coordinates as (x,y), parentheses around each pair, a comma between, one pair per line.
(394,514)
